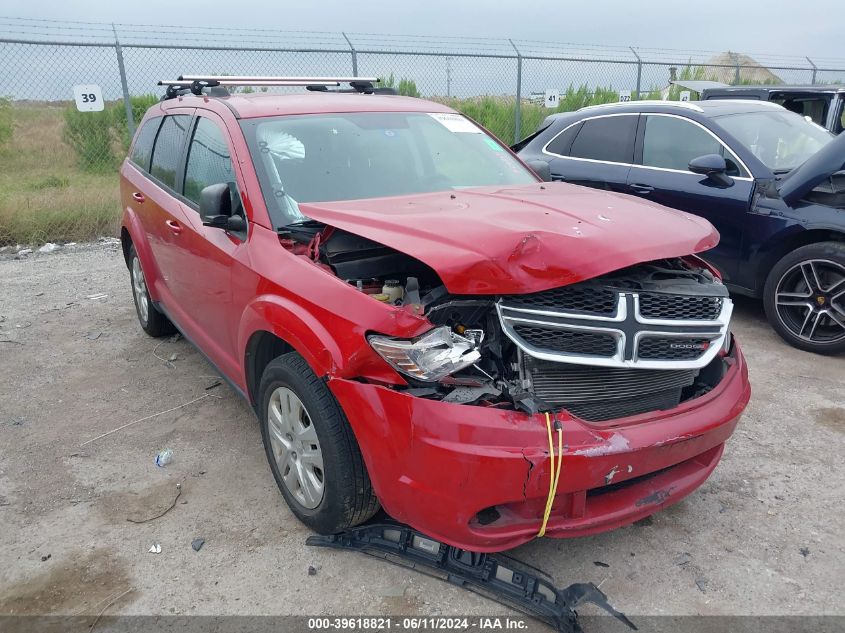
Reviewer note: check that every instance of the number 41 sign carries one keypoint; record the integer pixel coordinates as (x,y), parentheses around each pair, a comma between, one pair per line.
(88,98)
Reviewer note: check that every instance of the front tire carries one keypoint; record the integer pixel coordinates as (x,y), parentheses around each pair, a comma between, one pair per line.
(152,321)
(804,298)
(312,451)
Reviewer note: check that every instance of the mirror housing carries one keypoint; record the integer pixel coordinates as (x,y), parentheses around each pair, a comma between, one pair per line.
(713,166)
(216,209)
(541,168)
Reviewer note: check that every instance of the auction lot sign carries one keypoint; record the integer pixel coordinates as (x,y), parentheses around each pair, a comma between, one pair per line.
(88,98)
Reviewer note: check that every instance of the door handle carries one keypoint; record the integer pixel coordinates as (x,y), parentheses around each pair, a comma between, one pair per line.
(556,178)
(642,189)
(174,226)
(138,197)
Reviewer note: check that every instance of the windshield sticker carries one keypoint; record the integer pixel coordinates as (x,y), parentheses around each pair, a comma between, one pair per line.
(455,123)
(493,144)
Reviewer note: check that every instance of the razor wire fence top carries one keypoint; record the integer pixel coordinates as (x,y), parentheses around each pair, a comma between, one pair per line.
(185,36)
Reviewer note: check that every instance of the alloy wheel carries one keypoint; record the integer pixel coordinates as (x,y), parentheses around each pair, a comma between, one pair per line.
(810,301)
(139,287)
(296,448)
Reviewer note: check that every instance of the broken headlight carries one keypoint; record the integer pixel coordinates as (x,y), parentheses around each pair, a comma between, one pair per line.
(430,357)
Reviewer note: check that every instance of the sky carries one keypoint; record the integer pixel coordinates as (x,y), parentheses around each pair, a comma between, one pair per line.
(770,27)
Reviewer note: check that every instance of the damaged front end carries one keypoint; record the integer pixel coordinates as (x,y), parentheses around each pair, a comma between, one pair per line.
(636,367)
(642,339)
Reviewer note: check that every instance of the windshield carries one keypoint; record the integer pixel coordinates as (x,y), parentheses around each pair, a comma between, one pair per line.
(782,140)
(349,156)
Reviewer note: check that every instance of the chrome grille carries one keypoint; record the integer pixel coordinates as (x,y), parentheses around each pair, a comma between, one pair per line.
(567,341)
(578,298)
(655,305)
(604,393)
(646,330)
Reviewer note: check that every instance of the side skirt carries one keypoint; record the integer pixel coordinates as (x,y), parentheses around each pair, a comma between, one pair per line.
(158,306)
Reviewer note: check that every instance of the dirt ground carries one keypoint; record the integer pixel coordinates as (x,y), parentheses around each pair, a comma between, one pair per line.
(763,536)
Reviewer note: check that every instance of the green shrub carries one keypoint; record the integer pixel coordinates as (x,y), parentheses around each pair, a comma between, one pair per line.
(5,120)
(406,87)
(140,105)
(90,136)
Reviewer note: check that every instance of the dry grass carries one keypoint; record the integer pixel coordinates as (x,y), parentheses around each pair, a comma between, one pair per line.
(44,196)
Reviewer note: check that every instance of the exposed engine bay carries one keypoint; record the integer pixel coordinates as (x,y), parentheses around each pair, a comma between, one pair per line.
(637,340)
(831,192)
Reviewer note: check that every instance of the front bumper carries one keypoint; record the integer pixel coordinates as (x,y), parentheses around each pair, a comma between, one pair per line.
(437,465)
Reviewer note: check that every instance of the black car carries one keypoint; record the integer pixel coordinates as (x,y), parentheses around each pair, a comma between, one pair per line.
(769,180)
(825,105)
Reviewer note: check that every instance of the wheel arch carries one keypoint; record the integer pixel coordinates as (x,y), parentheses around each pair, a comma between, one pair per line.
(126,244)
(272,326)
(132,234)
(785,246)
(261,348)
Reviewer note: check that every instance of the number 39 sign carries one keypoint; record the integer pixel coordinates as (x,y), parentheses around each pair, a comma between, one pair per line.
(88,98)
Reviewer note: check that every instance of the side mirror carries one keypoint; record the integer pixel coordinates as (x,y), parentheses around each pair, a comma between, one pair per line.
(216,209)
(541,168)
(713,166)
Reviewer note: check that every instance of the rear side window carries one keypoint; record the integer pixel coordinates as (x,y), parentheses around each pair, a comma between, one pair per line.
(209,163)
(168,147)
(609,138)
(562,143)
(142,150)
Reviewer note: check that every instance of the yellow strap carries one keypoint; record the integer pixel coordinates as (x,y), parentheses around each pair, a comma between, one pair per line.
(555,472)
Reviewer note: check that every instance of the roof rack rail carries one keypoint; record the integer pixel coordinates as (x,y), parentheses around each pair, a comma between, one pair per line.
(682,104)
(196,84)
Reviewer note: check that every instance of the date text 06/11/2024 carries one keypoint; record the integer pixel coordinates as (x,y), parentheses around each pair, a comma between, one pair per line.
(418,623)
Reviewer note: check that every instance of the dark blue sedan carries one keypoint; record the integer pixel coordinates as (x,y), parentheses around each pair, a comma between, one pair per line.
(770,181)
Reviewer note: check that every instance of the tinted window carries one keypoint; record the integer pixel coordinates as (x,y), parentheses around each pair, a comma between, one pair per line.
(608,138)
(143,147)
(168,147)
(671,143)
(209,163)
(562,143)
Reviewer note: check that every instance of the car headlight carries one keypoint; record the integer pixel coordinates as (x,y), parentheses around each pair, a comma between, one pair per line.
(432,356)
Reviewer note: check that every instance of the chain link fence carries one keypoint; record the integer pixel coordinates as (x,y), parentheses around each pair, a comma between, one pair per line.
(58,166)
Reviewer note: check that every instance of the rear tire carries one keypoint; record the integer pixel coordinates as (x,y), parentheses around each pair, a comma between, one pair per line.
(804,298)
(312,451)
(152,321)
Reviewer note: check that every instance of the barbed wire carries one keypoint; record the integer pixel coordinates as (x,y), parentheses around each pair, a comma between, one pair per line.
(78,31)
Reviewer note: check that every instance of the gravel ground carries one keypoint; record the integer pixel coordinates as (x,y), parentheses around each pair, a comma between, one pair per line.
(763,536)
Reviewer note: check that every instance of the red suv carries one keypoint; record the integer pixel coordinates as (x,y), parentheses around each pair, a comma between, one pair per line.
(421,323)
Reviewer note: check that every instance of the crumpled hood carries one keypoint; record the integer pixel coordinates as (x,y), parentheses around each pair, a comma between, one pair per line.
(823,164)
(492,240)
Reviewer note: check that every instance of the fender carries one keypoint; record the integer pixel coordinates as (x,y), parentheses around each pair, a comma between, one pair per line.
(777,231)
(294,325)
